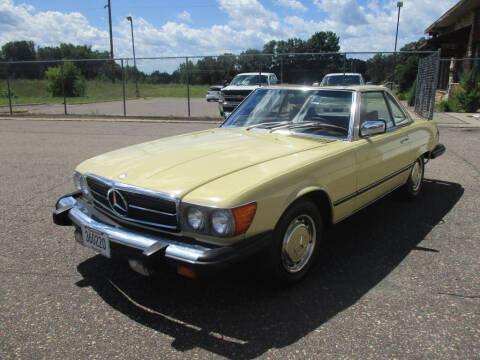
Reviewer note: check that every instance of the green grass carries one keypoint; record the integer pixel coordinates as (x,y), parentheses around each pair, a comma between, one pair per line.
(35,91)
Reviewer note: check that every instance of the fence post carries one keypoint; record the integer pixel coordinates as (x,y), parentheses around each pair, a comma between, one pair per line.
(9,92)
(188,86)
(63,92)
(123,89)
(281,69)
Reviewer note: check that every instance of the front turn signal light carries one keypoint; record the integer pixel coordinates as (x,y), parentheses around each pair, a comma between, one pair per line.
(243,217)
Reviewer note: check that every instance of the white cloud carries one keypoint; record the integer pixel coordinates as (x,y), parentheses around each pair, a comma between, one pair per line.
(293,4)
(247,24)
(346,12)
(372,28)
(20,22)
(184,16)
(250,15)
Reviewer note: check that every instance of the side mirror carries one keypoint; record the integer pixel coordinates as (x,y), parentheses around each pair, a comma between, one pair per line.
(369,128)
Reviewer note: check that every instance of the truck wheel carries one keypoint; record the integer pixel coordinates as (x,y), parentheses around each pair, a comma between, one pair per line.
(295,242)
(415,180)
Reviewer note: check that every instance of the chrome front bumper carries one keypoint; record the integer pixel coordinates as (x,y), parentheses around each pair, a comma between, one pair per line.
(153,248)
(83,214)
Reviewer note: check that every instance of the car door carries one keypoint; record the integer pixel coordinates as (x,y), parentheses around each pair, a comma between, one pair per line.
(383,160)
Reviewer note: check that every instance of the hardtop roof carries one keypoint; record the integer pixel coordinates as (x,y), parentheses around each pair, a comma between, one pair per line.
(338,87)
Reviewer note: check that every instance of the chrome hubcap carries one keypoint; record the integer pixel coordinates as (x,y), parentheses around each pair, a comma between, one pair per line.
(416,175)
(298,243)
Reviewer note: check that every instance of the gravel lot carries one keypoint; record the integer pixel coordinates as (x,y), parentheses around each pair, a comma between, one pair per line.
(177,107)
(398,280)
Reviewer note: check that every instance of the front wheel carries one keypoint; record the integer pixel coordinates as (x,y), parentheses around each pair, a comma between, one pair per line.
(415,180)
(295,242)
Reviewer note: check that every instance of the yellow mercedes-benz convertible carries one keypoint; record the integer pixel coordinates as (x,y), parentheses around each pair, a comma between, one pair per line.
(286,163)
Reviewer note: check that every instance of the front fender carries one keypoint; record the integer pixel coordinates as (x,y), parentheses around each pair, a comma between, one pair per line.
(303,191)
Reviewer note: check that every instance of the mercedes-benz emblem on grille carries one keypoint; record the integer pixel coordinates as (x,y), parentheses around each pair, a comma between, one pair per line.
(117,202)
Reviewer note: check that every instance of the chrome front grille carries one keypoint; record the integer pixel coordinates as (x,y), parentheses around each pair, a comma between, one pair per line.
(236,95)
(234,98)
(144,206)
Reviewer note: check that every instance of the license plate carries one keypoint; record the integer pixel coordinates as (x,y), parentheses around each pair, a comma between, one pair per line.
(96,240)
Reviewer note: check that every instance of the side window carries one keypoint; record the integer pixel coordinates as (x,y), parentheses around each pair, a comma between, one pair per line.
(398,115)
(374,107)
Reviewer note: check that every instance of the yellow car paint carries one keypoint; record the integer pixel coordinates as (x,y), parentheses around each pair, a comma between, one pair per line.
(228,167)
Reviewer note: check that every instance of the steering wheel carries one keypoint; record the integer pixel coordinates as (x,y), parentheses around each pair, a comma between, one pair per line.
(326,124)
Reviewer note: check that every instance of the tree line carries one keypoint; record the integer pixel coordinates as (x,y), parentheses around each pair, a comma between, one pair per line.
(290,68)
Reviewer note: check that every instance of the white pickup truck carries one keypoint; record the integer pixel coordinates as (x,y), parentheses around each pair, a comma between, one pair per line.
(240,87)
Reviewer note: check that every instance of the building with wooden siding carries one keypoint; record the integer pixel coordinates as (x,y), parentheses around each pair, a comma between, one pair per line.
(457,34)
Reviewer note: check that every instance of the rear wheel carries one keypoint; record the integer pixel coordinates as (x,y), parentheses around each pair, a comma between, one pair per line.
(415,180)
(295,242)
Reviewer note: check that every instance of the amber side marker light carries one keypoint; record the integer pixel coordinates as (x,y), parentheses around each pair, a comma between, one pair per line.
(185,271)
(243,217)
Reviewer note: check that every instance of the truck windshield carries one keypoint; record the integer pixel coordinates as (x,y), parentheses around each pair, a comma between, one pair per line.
(250,80)
(341,80)
(317,112)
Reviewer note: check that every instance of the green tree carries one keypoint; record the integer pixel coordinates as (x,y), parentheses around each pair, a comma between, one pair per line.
(305,68)
(252,60)
(469,96)
(407,65)
(89,69)
(21,51)
(73,81)
(158,77)
(379,68)
(323,41)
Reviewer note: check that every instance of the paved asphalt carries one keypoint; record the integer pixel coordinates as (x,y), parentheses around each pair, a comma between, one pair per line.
(399,279)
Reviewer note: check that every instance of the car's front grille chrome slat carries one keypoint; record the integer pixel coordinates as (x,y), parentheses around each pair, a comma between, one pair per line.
(152,211)
(144,207)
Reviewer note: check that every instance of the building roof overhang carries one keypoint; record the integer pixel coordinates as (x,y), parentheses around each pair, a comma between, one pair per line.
(452,15)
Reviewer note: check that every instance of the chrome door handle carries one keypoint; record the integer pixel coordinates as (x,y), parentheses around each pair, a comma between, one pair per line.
(403,141)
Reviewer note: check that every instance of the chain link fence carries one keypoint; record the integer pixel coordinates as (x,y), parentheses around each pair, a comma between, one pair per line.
(427,79)
(175,87)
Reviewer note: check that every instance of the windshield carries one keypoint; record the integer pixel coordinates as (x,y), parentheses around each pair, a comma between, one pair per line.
(317,112)
(341,80)
(250,80)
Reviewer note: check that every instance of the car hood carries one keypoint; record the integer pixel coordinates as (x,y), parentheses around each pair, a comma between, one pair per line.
(180,164)
(240,87)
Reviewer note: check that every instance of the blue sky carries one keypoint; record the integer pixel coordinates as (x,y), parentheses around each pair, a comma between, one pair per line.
(204,13)
(208,27)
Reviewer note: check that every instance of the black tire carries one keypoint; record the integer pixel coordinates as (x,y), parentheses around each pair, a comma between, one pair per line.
(302,218)
(414,183)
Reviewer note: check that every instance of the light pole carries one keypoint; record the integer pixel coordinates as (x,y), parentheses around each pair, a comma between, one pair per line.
(137,93)
(109,6)
(399,6)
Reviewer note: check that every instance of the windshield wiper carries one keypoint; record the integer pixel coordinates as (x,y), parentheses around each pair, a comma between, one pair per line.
(308,124)
(266,124)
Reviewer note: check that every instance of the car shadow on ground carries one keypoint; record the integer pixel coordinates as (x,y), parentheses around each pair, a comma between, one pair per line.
(240,314)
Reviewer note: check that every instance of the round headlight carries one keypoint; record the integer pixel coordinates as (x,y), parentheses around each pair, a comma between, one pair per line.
(84,186)
(222,222)
(195,218)
(76,180)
